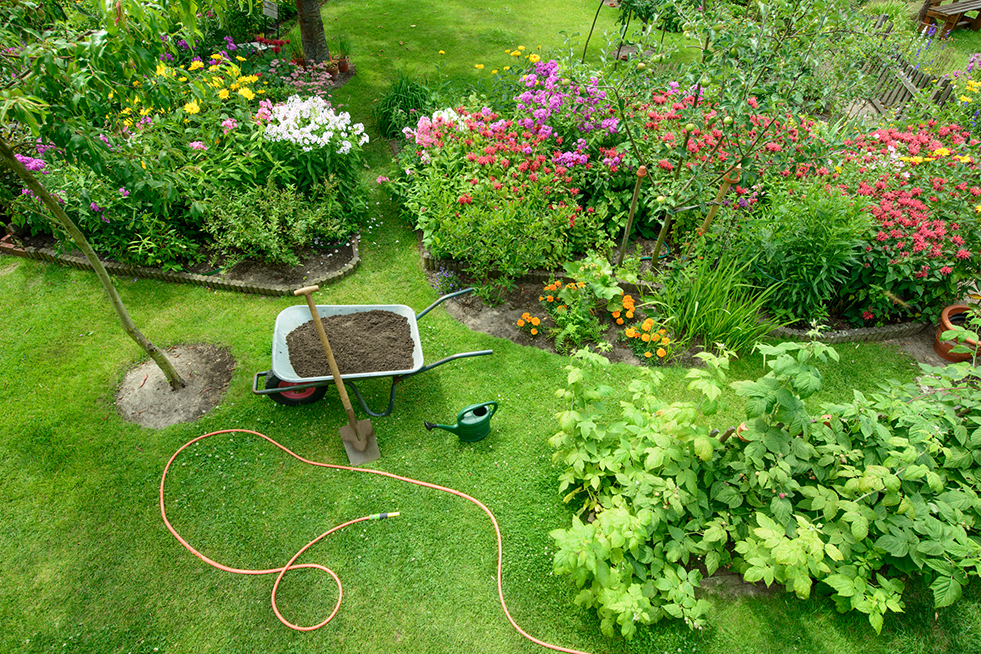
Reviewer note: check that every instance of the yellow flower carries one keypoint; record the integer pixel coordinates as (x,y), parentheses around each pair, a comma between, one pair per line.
(964,98)
(521,47)
(213,68)
(494,72)
(137,83)
(216,56)
(534,58)
(240,58)
(145,111)
(442,52)
(508,51)
(515,53)
(128,122)
(246,93)
(195,65)
(217,81)
(125,112)
(506,68)
(161,70)
(143,163)
(223,94)
(192,107)
(235,87)
(181,79)
(940,152)
(479,66)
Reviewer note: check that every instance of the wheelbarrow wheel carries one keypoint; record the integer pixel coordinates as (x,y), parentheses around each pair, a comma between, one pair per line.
(293,398)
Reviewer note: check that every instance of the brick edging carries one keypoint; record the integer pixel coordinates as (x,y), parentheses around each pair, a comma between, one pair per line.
(126,270)
(861,334)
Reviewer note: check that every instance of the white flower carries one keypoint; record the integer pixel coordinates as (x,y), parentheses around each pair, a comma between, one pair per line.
(311,123)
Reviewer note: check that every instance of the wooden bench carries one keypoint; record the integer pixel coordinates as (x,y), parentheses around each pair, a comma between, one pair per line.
(949,17)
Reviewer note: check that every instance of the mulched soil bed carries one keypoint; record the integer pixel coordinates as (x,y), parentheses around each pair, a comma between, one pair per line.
(363,342)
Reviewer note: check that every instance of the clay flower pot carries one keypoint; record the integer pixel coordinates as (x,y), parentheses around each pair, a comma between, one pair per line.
(343,64)
(954,314)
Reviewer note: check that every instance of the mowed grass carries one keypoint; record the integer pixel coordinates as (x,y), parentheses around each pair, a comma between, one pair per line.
(86,564)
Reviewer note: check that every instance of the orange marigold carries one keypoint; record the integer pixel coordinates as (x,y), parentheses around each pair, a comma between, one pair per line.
(536,322)
(630,314)
(533,331)
(665,340)
(526,316)
(645,337)
(661,353)
(521,323)
(630,332)
(647,354)
(619,321)
(550,299)
(616,314)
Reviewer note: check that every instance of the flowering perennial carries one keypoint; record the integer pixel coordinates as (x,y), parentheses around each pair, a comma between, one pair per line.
(311,123)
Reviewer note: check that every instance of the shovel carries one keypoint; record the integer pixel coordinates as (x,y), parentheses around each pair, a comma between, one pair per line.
(358,436)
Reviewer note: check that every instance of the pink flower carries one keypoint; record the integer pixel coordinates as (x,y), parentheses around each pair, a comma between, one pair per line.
(229,124)
(197,145)
(381,179)
(946,270)
(868,315)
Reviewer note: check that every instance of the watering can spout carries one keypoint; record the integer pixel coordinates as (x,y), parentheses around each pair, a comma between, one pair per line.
(472,423)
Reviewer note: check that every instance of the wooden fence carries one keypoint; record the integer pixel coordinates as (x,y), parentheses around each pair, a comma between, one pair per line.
(896,81)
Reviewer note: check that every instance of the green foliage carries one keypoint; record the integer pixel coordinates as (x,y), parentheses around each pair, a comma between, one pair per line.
(877,487)
(401,106)
(269,224)
(710,299)
(804,245)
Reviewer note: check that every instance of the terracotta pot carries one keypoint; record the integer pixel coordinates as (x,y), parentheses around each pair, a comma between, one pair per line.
(343,65)
(942,347)
(332,71)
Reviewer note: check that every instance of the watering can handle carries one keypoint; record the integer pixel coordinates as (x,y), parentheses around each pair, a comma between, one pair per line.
(491,404)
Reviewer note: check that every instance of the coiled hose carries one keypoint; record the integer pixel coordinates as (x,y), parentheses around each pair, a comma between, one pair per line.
(290,565)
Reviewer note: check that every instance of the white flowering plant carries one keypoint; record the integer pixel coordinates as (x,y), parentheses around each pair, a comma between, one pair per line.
(309,141)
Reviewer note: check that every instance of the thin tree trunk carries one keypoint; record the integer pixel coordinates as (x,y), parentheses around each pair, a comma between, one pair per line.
(173,378)
(315,48)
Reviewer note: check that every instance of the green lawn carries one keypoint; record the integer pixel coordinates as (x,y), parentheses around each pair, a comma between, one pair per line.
(86,564)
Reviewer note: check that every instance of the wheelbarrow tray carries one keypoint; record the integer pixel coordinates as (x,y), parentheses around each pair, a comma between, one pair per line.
(295,316)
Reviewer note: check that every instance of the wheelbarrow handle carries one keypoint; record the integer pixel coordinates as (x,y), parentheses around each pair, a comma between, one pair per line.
(441,300)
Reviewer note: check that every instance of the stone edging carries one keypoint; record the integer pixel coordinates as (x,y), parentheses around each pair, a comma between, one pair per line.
(127,270)
(862,334)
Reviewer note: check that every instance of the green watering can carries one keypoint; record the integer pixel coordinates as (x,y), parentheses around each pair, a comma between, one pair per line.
(472,423)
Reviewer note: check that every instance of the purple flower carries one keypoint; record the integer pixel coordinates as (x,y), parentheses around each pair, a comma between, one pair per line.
(95,207)
(123,192)
(33,165)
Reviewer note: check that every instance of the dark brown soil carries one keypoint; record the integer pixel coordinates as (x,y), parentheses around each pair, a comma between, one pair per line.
(315,263)
(364,342)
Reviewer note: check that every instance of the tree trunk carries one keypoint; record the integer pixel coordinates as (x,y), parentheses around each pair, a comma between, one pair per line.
(173,378)
(315,48)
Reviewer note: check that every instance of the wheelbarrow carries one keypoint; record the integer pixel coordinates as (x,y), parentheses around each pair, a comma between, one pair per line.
(283,385)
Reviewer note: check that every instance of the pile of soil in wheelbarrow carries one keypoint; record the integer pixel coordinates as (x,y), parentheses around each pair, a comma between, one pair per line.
(363,342)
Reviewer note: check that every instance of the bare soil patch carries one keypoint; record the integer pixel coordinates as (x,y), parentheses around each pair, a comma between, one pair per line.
(146,398)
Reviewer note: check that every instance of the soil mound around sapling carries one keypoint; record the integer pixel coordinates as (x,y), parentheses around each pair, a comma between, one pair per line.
(363,342)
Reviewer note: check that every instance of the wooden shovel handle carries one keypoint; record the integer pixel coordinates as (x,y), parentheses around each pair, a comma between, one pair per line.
(307,291)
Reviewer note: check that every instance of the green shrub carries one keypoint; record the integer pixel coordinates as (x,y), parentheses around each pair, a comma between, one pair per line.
(269,224)
(804,244)
(875,491)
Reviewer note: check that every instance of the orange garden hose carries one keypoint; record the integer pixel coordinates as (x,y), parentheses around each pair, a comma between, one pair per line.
(290,565)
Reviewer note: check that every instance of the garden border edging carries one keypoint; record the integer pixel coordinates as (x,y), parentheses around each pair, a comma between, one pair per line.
(857,335)
(123,270)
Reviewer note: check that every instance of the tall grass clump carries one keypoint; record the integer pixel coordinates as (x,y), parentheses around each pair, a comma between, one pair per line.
(402,105)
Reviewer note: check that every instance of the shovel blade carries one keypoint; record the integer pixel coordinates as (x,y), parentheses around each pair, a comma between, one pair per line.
(360,442)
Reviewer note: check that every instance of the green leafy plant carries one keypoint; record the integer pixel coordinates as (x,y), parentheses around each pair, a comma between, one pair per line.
(269,224)
(402,105)
(804,245)
(876,488)
(710,299)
